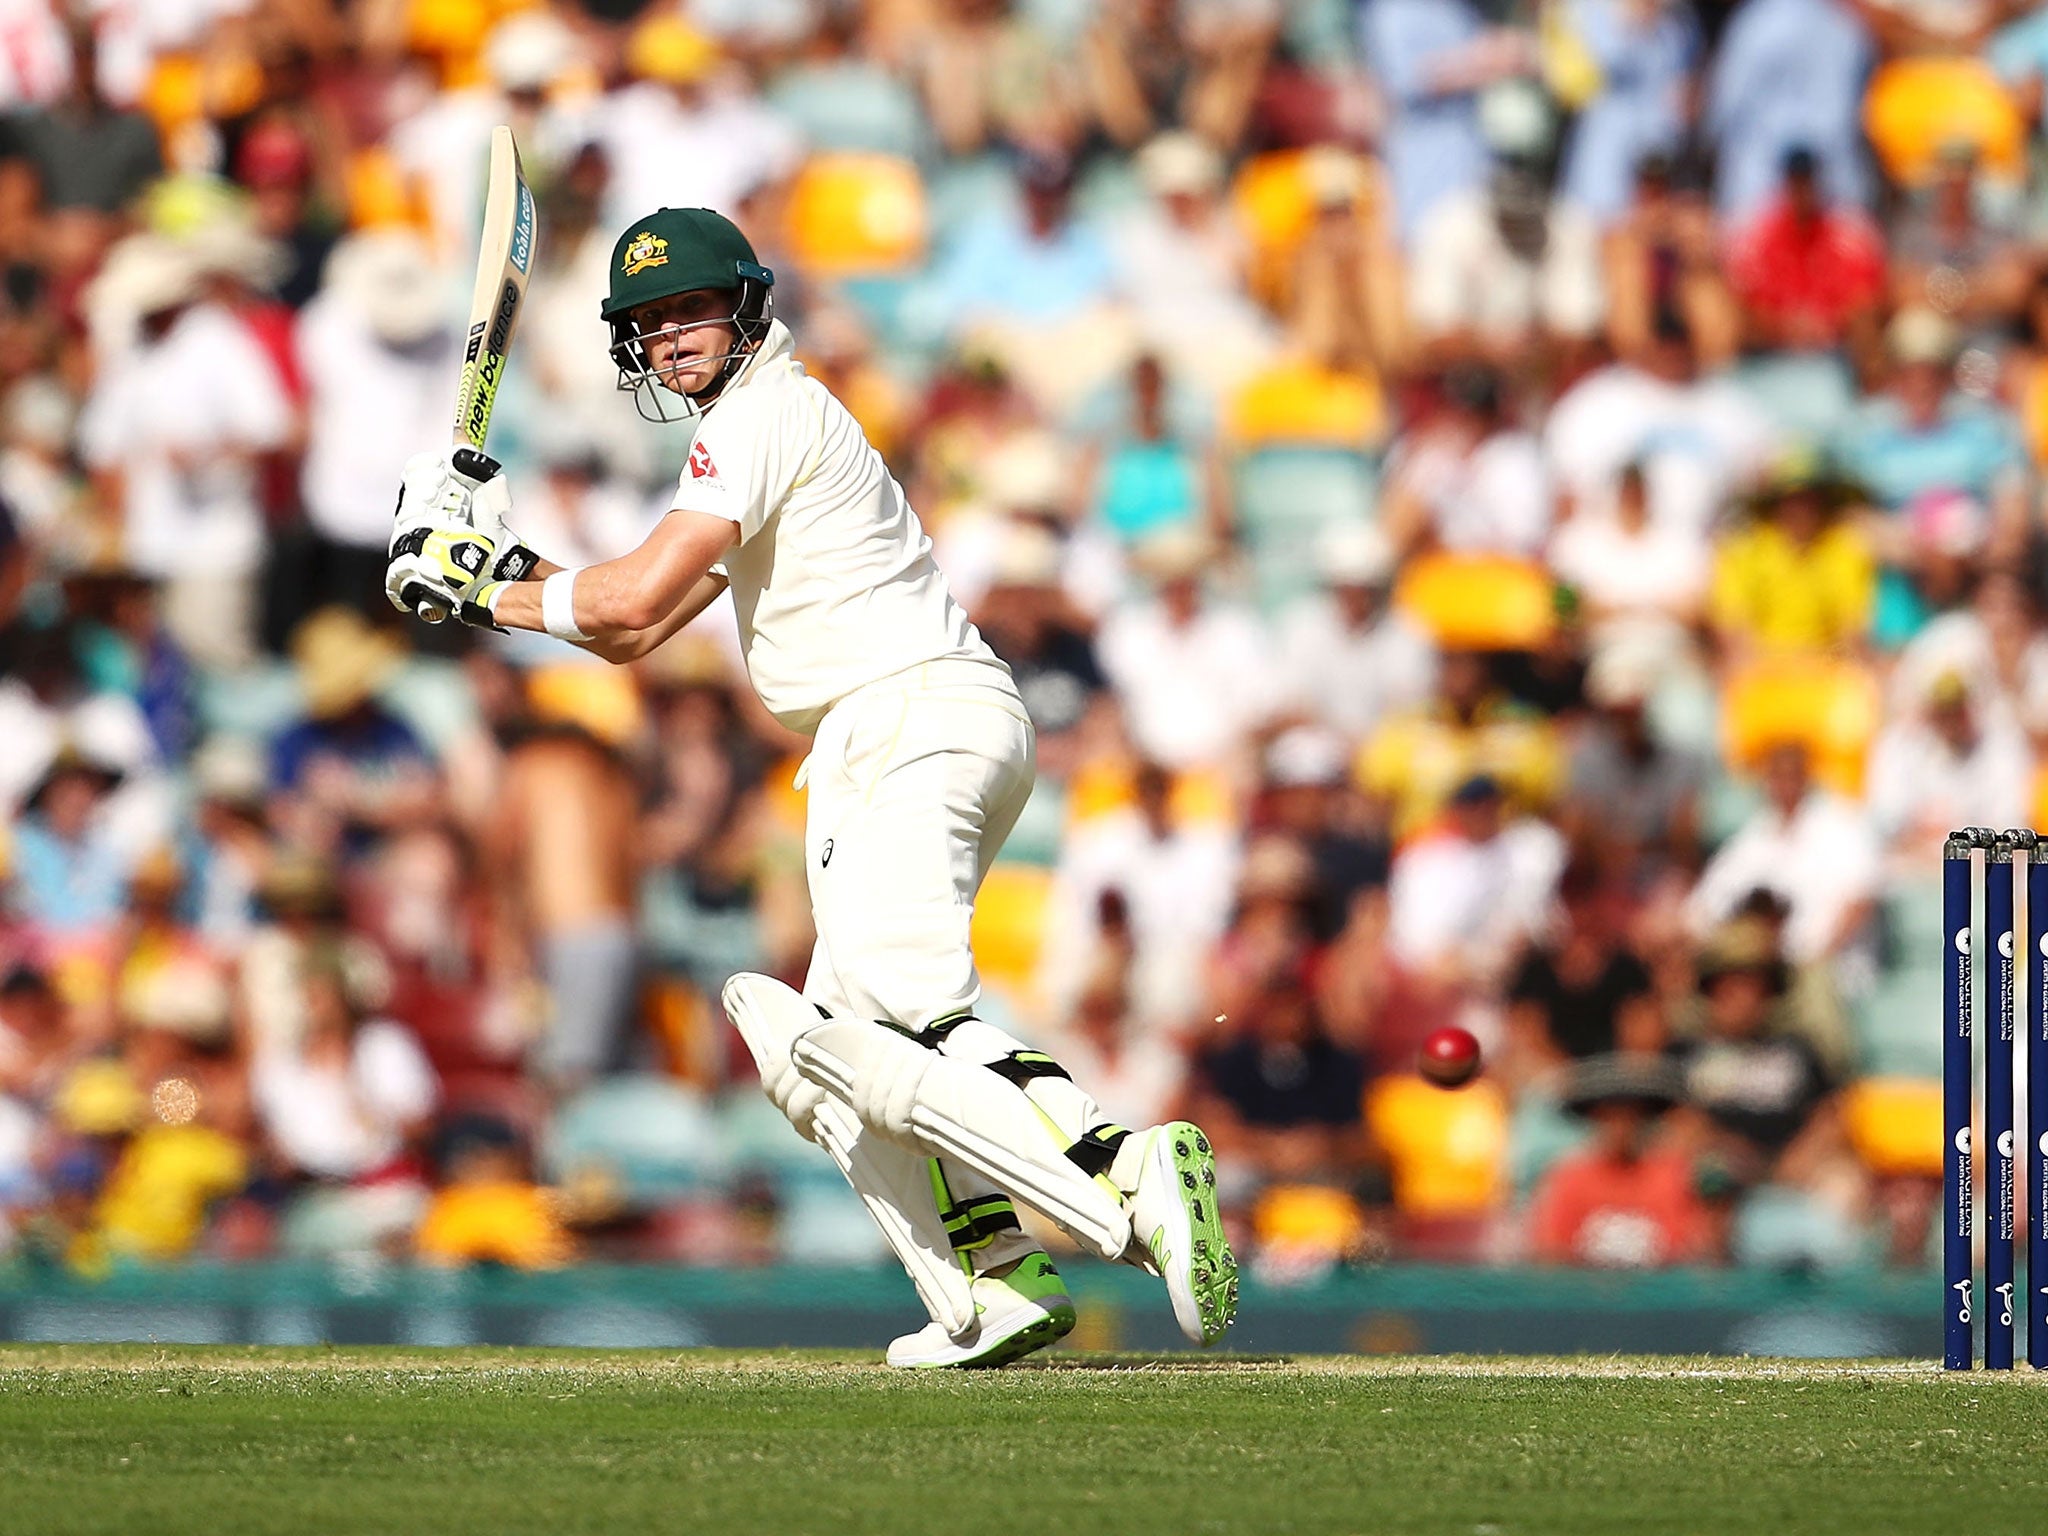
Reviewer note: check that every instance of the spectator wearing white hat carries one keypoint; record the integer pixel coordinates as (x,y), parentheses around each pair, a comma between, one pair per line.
(576,511)
(1146,876)
(1631,793)
(172,434)
(1030,476)
(380,363)
(575,507)
(445,144)
(36,480)
(1466,895)
(1136,1074)
(1947,762)
(1031,623)
(1814,850)
(1190,673)
(687,132)
(1307,794)
(1504,264)
(1181,260)
(569,377)
(1349,658)
(1629,569)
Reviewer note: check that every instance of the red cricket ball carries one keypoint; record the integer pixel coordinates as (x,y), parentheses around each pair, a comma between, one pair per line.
(1449,1057)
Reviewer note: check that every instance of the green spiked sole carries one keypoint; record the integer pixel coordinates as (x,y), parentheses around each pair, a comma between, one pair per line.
(1208,1283)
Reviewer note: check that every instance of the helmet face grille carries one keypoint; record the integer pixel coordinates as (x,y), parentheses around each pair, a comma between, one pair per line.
(653,396)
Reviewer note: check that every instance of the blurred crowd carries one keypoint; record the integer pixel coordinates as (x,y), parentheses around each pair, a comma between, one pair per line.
(1521,513)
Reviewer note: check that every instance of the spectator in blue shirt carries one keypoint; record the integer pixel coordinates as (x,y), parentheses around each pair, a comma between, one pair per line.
(1432,59)
(2018,54)
(71,866)
(1646,51)
(1152,479)
(1037,265)
(351,767)
(1789,74)
(1923,435)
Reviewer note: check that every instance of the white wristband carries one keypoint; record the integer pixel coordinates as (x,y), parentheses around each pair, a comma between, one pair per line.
(558,607)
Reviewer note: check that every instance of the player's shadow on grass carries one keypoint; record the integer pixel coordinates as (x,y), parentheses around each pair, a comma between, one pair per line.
(1118,1360)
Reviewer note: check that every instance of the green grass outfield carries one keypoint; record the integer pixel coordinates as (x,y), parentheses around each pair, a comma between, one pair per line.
(153,1441)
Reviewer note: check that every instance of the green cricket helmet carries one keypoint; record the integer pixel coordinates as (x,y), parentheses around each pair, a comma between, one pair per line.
(681,250)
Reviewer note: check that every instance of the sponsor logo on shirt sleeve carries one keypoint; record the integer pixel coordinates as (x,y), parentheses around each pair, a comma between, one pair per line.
(702,471)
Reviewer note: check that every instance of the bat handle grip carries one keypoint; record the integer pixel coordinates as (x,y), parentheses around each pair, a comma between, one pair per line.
(422,602)
(474,465)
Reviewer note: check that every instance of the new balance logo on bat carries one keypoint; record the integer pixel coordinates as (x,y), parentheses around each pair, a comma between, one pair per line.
(501,326)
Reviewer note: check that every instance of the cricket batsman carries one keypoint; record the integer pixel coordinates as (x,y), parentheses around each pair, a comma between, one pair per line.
(922,756)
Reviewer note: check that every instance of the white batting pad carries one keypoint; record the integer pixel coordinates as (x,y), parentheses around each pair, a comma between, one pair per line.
(930,1103)
(896,1187)
(769,1017)
(892,1182)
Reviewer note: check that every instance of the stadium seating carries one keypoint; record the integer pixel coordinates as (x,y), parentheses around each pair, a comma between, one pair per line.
(1479,602)
(1307,1223)
(1286,498)
(1009,924)
(1894,1124)
(655,1137)
(1829,706)
(1299,403)
(1917,107)
(857,215)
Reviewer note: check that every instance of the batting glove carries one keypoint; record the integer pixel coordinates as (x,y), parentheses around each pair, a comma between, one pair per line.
(431,567)
(449,534)
(490,504)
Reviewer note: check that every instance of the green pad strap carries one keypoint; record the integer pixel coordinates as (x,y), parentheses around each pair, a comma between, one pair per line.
(970,1224)
(1096,1149)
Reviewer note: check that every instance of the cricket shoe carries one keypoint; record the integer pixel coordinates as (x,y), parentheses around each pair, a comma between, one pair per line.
(1175,1218)
(1023,1309)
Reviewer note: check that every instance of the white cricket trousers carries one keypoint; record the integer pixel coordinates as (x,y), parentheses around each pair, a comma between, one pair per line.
(915,781)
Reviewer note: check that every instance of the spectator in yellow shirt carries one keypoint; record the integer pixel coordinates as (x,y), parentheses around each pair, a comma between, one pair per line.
(178,1163)
(491,1211)
(1798,575)
(1415,760)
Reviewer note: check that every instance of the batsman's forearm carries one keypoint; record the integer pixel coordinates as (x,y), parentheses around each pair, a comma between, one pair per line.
(612,598)
(631,647)
(616,601)
(702,596)
(520,608)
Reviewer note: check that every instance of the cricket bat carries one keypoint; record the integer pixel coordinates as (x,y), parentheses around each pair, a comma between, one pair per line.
(504,261)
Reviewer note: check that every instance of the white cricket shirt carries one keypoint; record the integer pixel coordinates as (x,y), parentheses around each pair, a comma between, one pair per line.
(833,580)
